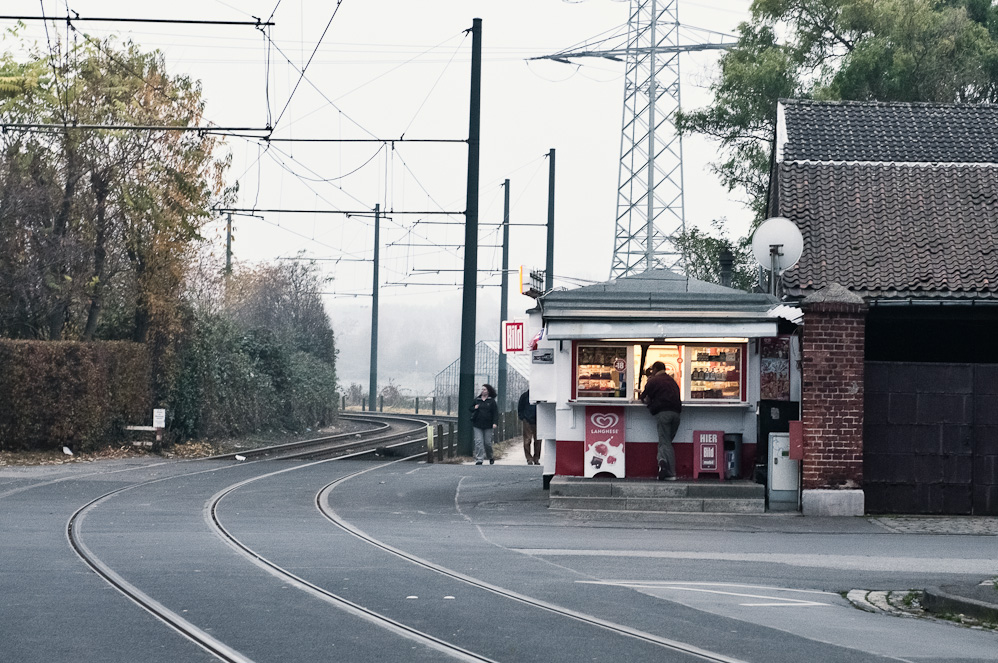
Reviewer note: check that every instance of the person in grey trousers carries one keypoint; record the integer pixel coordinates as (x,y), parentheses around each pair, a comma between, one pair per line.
(664,401)
(484,422)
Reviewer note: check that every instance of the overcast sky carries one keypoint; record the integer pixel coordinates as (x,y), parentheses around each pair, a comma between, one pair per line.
(393,68)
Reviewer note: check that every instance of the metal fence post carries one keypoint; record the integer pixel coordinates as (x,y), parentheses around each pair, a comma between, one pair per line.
(448,406)
(417,404)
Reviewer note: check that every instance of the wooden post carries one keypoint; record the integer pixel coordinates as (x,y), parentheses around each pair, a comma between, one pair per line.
(451,442)
(433,405)
(417,404)
(429,444)
(440,447)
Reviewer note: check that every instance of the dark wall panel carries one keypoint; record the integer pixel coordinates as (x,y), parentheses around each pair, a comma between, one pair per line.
(931,438)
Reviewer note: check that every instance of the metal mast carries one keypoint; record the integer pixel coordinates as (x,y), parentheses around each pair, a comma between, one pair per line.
(650,214)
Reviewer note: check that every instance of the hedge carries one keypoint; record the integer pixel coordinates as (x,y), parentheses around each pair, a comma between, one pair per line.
(66,393)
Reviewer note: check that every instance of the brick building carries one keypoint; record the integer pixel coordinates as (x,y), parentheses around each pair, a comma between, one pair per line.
(898,207)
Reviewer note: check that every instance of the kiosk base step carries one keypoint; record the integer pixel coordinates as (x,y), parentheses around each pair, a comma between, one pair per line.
(642,495)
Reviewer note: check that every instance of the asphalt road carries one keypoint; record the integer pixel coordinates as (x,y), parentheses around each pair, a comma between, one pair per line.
(351,560)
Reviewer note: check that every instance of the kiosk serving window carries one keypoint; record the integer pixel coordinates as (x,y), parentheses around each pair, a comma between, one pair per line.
(602,371)
(706,371)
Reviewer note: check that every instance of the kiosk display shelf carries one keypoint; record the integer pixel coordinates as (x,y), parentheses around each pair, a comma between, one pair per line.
(715,373)
(602,371)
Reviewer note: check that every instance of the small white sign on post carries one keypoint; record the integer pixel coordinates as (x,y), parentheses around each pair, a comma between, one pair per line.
(159,418)
(513,336)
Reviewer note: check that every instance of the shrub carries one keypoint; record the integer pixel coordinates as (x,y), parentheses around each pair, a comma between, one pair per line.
(74,394)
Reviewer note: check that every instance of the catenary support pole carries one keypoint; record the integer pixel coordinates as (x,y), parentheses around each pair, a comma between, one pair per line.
(549,268)
(503,297)
(228,245)
(469,310)
(373,386)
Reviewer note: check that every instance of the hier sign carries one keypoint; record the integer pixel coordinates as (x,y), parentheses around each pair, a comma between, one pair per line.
(513,336)
(708,453)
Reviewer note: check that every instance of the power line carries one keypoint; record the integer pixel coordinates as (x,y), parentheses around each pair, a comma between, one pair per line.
(28,126)
(366,212)
(367,140)
(305,68)
(76,18)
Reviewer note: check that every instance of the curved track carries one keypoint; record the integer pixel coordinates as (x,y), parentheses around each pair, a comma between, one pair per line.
(384,433)
(224,652)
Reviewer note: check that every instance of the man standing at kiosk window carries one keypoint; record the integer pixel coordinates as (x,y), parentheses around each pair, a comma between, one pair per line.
(527,413)
(664,402)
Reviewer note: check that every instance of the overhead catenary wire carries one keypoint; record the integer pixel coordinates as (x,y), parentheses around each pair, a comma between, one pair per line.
(305,68)
(256,134)
(76,18)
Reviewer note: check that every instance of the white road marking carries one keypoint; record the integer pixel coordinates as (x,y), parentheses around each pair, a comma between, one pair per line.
(772,601)
(843,562)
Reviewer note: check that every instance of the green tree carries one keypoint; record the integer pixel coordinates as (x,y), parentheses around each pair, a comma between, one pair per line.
(884,50)
(703,250)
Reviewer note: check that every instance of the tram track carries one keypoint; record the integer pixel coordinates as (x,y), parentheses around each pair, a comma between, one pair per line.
(341,443)
(322,503)
(228,654)
(351,607)
(321,446)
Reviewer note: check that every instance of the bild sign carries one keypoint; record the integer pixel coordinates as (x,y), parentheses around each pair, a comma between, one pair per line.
(513,336)
(604,446)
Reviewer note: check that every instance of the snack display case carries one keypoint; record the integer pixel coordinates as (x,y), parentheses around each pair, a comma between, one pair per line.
(715,372)
(602,371)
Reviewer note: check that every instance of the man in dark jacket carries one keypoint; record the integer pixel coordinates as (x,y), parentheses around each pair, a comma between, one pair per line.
(664,402)
(527,412)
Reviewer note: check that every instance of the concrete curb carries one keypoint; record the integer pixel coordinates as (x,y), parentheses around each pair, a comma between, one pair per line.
(938,601)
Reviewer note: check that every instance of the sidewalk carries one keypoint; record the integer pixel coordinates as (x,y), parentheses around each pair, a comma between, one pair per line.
(976,600)
(979,601)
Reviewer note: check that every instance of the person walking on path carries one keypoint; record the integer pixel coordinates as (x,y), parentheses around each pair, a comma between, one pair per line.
(484,421)
(661,395)
(527,412)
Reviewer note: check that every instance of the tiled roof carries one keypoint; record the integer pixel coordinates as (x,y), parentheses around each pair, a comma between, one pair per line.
(893,231)
(654,290)
(888,132)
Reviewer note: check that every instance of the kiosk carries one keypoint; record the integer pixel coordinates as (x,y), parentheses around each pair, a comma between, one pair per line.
(596,344)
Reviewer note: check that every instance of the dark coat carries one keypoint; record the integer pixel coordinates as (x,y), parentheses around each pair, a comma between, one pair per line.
(662,393)
(484,414)
(526,410)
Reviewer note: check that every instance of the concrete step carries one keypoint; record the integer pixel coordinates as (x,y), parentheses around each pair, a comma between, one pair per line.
(658,496)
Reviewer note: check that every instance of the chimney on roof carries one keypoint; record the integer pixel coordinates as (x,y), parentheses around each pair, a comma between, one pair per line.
(726,263)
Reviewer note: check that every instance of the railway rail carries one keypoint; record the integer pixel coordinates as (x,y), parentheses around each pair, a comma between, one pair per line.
(322,446)
(398,433)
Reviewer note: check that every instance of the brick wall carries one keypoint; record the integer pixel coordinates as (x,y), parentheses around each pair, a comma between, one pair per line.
(832,393)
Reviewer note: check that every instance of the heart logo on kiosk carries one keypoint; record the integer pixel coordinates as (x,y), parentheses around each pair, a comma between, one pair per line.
(605,420)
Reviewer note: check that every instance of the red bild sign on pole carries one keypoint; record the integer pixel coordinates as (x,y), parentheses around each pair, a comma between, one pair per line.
(513,336)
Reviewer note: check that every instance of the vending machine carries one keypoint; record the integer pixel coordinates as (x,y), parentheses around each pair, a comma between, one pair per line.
(783,488)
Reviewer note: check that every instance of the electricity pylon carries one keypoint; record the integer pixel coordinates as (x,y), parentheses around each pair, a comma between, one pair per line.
(650,214)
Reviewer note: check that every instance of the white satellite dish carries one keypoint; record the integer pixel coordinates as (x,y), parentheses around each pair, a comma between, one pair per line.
(777,244)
